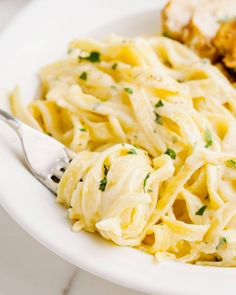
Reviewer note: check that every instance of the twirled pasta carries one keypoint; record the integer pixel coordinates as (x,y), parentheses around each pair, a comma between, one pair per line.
(154,127)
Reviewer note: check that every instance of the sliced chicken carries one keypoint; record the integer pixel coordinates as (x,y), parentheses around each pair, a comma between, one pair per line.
(208,15)
(225,42)
(206,26)
(176,16)
(195,23)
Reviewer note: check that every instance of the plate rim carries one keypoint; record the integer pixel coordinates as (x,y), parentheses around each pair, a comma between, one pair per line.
(6,33)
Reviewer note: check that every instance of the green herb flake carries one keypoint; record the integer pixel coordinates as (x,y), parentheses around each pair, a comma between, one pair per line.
(222,241)
(171,153)
(208,138)
(114,66)
(145,181)
(231,163)
(83,76)
(159,104)
(106,169)
(83,129)
(103,182)
(158,118)
(201,210)
(132,151)
(128,90)
(94,56)
(113,87)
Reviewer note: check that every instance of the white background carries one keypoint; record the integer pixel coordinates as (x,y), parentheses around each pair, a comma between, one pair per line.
(26,267)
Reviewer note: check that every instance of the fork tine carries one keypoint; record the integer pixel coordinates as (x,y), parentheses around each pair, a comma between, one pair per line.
(47,158)
(51,184)
(57,173)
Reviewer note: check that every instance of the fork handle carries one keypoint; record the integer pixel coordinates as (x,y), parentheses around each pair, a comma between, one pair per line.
(10,120)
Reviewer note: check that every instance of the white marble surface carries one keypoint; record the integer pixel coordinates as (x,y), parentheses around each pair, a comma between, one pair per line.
(26,267)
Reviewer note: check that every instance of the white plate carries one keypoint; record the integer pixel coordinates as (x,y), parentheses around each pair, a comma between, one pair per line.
(40,35)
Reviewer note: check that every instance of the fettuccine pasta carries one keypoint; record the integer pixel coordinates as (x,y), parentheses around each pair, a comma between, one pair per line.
(154,129)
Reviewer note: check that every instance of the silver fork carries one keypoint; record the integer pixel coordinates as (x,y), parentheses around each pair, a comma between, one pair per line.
(46,158)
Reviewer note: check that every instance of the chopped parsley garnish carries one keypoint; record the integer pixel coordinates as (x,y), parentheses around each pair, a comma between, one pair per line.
(132,151)
(159,104)
(83,129)
(94,56)
(114,66)
(208,138)
(171,153)
(83,76)
(103,182)
(128,90)
(201,210)
(158,118)
(106,169)
(113,87)
(231,163)
(222,241)
(145,181)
